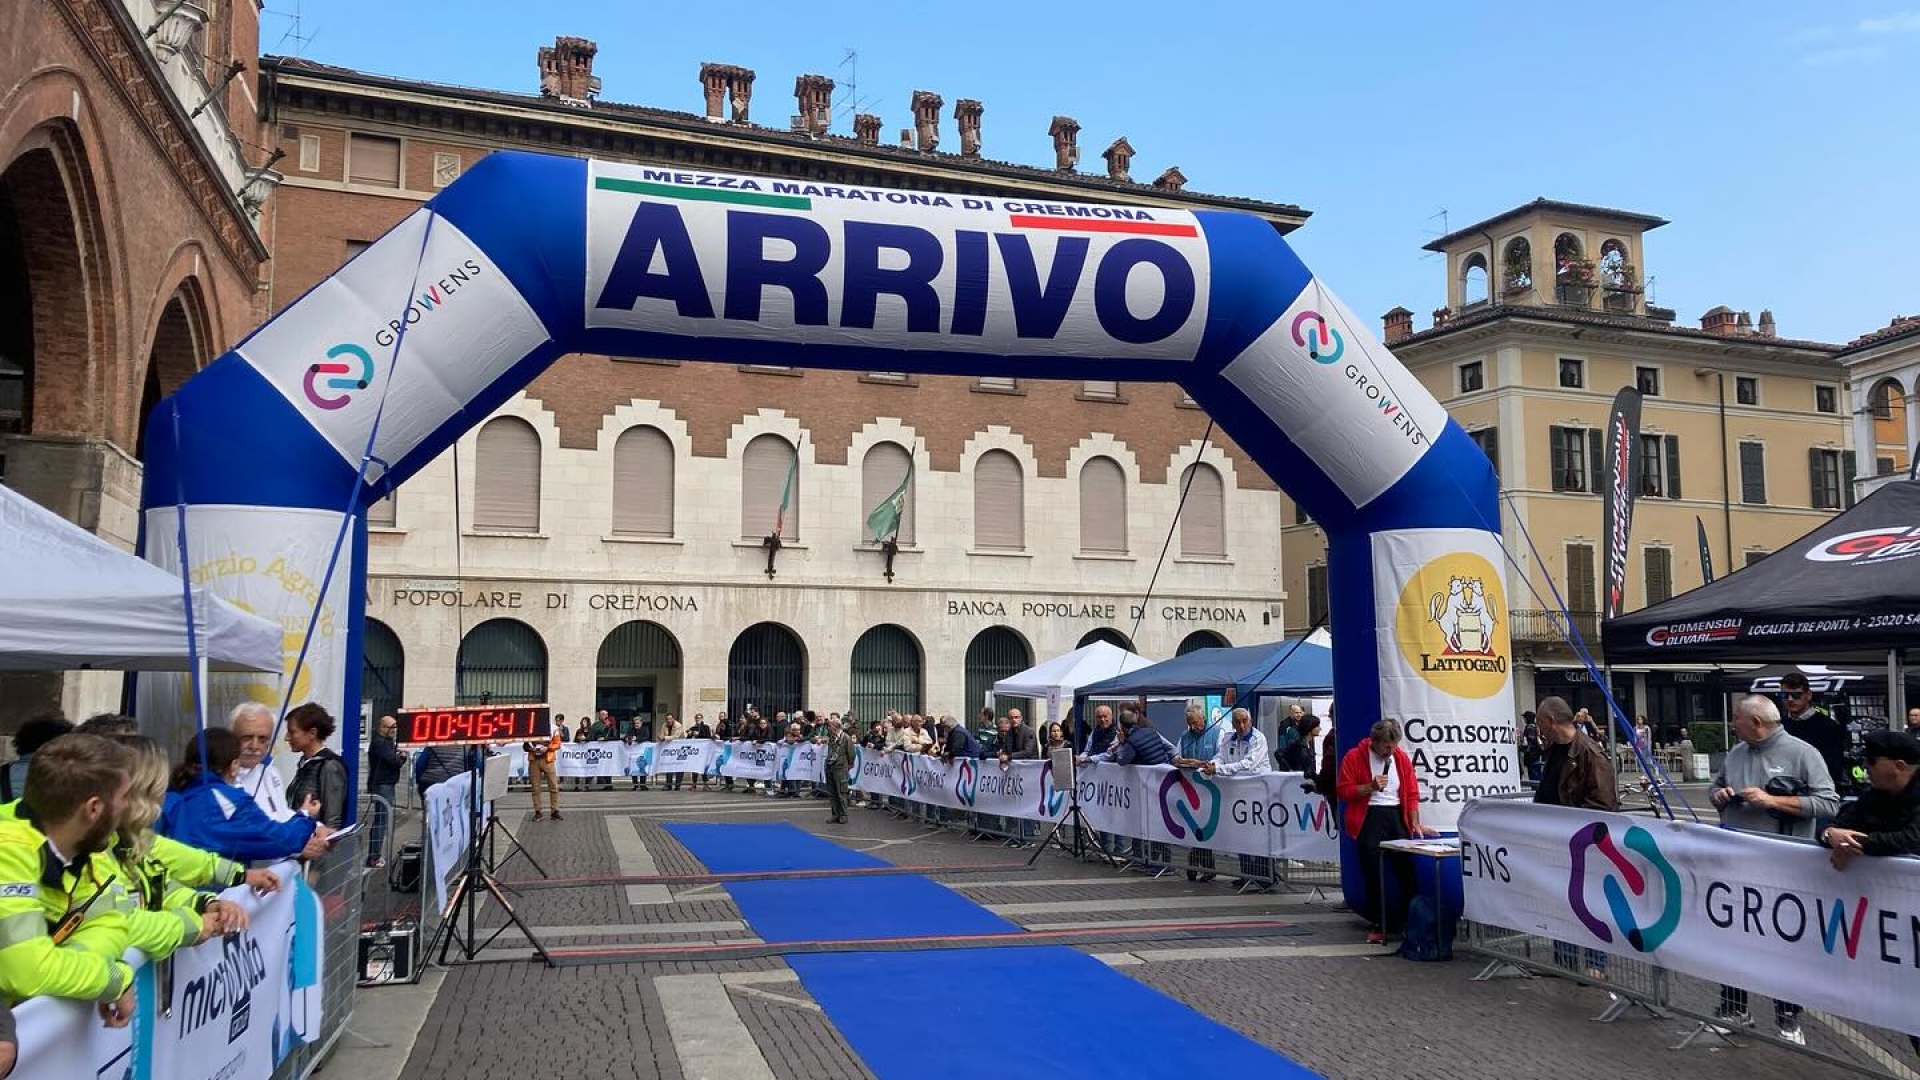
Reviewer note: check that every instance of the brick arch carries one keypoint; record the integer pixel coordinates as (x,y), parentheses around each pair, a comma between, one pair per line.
(180,344)
(62,239)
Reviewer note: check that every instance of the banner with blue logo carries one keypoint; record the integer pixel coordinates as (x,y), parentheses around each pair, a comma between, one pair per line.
(1764,913)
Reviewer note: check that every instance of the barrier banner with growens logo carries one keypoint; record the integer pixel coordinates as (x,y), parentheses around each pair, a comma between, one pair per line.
(1445,658)
(1741,909)
(1270,814)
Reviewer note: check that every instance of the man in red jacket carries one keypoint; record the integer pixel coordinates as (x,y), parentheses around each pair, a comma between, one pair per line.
(1381,802)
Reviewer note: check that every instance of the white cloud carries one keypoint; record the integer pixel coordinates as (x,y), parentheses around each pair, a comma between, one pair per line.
(1844,56)
(1904,22)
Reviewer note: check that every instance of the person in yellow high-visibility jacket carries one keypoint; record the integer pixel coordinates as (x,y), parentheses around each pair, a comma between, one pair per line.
(52,941)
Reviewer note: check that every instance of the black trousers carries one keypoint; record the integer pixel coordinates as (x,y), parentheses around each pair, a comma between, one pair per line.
(1385,823)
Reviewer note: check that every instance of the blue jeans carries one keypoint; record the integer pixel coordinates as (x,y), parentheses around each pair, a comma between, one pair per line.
(382,810)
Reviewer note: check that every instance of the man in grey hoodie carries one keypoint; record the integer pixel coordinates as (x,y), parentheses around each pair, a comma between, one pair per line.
(1801,792)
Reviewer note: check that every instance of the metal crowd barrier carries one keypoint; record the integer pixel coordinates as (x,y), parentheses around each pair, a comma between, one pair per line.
(1635,985)
(336,878)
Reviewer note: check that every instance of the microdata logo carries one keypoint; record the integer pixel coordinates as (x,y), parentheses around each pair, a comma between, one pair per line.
(1595,837)
(348,378)
(965,785)
(1190,805)
(1316,336)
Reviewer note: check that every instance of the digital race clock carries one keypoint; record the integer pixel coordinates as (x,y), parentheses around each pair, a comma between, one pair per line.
(464,725)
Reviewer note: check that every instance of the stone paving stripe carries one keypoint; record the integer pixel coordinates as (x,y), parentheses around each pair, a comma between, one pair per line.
(1243,952)
(708,1035)
(529,884)
(718,926)
(635,861)
(759,978)
(778,999)
(1216,920)
(1147,903)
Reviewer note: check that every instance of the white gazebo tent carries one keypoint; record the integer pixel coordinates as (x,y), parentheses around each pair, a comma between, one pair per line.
(1055,680)
(75,602)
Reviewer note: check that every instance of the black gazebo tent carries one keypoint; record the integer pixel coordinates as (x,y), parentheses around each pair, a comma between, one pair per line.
(1849,588)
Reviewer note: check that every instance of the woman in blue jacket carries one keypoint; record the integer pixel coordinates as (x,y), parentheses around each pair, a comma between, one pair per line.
(204,808)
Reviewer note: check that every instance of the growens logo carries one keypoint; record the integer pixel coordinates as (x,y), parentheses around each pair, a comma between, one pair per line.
(1869,546)
(909,783)
(346,377)
(1316,337)
(1190,806)
(1595,837)
(965,783)
(1450,629)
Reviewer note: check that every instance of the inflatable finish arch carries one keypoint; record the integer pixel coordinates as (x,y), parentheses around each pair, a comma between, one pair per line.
(528,257)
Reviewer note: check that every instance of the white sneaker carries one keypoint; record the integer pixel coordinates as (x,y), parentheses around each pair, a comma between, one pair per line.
(1793,1034)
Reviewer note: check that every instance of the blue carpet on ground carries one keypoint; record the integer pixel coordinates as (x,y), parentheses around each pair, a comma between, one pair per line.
(1156,1037)
(745,849)
(837,909)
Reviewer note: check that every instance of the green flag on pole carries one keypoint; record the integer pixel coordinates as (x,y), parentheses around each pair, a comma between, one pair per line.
(884,520)
(786,498)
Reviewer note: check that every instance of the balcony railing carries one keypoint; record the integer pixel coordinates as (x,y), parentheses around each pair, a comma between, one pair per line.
(1551,626)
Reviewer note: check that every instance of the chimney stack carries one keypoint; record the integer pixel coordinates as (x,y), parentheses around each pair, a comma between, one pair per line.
(814,93)
(741,84)
(906,138)
(566,70)
(1066,142)
(1767,328)
(866,128)
(926,120)
(1398,323)
(720,81)
(1171,180)
(1440,317)
(1119,156)
(1743,324)
(966,112)
(1719,320)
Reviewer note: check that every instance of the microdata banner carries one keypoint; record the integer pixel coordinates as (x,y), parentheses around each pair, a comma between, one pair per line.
(680,755)
(801,761)
(237,1005)
(748,760)
(1440,601)
(1758,912)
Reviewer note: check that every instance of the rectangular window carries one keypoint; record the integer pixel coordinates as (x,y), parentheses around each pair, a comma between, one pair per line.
(1830,475)
(1576,456)
(1573,373)
(996,384)
(1754,557)
(1882,402)
(1883,466)
(1100,389)
(1826,399)
(888,376)
(1753,473)
(309,153)
(1648,380)
(380,515)
(1659,563)
(373,160)
(1580,585)
(1746,389)
(1473,376)
(1653,459)
(1317,595)
(355,247)
(1488,440)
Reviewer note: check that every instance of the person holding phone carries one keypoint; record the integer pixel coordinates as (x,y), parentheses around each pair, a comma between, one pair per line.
(1381,802)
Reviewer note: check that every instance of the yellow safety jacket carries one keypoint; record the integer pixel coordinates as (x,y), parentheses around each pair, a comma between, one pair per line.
(160,915)
(59,934)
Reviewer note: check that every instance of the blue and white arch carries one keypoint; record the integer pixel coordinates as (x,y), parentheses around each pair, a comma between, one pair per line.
(527,258)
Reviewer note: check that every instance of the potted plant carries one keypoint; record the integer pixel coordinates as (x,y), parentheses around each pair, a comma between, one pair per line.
(1576,271)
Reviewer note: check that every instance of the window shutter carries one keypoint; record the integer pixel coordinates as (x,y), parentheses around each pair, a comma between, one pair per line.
(1490,444)
(1659,563)
(1817,480)
(506,476)
(763,481)
(1203,522)
(381,514)
(1100,388)
(1580,588)
(1596,454)
(1846,479)
(999,503)
(1673,466)
(374,159)
(643,483)
(1317,595)
(881,471)
(1557,438)
(1103,507)
(1753,473)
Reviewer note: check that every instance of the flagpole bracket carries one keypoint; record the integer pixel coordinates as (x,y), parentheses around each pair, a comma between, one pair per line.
(889,548)
(773,545)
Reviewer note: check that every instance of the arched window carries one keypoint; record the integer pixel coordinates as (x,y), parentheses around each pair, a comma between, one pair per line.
(1200,639)
(1473,280)
(999,503)
(1103,507)
(1615,271)
(886,674)
(1573,273)
(1885,394)
(1516,266)
(1107,634)
(766,668)
(643,483)
(886,466)
(992,655)
(383,668)
(506,476)
(638,673)
(770,489)
(502,661)
(1203,520)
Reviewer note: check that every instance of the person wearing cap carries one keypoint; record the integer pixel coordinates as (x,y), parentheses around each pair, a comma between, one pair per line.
(1885,819)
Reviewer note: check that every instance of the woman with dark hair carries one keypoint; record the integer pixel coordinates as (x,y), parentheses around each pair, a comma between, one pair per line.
(1297,756)
(204,809)
(322,773)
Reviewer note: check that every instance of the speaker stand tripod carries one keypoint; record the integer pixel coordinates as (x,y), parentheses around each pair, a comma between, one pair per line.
(471,888)
(1078,848)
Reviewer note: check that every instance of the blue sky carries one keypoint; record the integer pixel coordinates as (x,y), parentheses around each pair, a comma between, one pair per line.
(1778,138)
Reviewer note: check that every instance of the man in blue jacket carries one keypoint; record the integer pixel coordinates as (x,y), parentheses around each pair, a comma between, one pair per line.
(1144,746)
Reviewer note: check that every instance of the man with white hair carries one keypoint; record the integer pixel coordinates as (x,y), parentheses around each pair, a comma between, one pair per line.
(1770,783)
(259,777)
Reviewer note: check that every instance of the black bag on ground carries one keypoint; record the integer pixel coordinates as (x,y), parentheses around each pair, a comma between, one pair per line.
(405,873)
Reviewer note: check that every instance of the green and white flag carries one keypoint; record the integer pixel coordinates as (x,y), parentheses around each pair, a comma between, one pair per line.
(884,520)
(786,498)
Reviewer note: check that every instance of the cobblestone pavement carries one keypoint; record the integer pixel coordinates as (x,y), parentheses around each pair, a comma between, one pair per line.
(1321,997)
